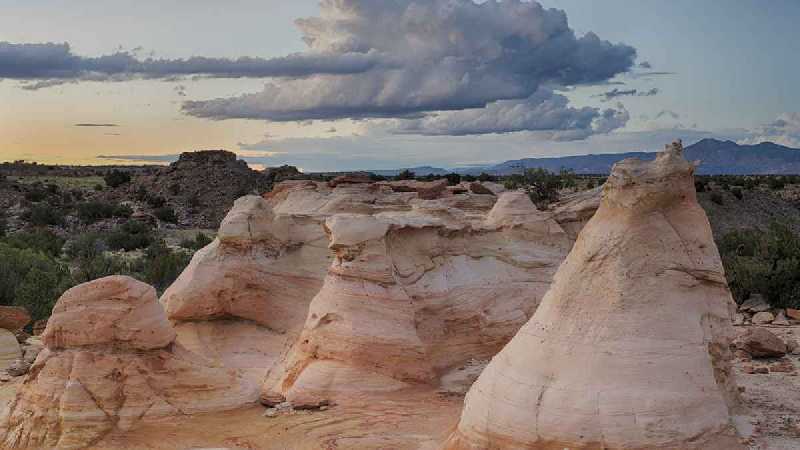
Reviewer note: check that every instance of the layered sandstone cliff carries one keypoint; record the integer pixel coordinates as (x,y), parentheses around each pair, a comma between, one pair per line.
(629,348)
(110,362)
(414,294)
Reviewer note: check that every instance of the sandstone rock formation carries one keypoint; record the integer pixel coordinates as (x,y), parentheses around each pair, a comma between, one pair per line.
(110,362)
(13,318)
(9,349)
(629,349)
(413,294)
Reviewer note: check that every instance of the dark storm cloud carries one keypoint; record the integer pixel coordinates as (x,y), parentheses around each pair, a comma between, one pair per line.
(615,93)
(438,55)
(50,64)
(543,111)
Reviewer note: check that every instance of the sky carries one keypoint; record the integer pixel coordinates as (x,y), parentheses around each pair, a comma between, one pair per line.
(376,84)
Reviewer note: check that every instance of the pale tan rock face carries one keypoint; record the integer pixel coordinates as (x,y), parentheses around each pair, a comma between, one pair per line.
(9,349)
(413,294)
(629,348)
(109,363)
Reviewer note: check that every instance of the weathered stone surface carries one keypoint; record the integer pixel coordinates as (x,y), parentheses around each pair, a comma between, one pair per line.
(9,349)
(755,304)
(781,319)
(763,318)
(761,343)
(109,363)
(117,309)
(629,347)
(412,295)
(13,318)
(793,313)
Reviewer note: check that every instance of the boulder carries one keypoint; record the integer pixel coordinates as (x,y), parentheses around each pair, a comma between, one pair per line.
(13,318)
(629,349)
(781,319)
(793,314)
(478,188)
(761,343)
(9,349)
(18,368)
(755,304)
(763,318)
(111,362)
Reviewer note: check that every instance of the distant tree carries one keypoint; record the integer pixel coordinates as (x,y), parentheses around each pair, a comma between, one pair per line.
(541,185)
(405,175)
(116,178)
(166,214)
(737,192)
(483,177)
(453,179)
(44,214)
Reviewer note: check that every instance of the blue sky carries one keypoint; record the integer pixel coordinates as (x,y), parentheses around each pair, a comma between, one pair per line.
(374,91)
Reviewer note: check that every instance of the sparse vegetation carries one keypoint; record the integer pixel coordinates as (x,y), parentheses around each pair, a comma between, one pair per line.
(166,214)
(91,212)
(117,178)
(542,185)
(766,262)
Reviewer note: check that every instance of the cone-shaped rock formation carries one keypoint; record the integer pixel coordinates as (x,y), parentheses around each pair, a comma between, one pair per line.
(629,348)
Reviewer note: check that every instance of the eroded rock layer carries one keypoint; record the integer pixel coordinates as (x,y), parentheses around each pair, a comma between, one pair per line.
(414,294)
(629,348)
(109,362)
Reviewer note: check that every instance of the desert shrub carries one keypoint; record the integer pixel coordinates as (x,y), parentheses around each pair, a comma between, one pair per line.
(98,187)
(174,188)
(700,185)
(737,192)
(376,177)
(765,262)
(162,266)
(91,212)
(486,177)
(541,185)
(117,178)
(31,279)
(87,254)
(200,240)
(717,198)
(776,183)
(155,201)
(44,214)
(129,236)
(193,201)
(453,179)
(36,194)
(405,175)
(3,224)
(165,214)
(40,240)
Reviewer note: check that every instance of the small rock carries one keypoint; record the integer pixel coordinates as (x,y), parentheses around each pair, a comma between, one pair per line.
(791,345)
(763,318)
(13,318)
(21,336)
(30,353)
(783,366)
(755,303)
(781,319)
(738,319)
(323,408)
(18,368)
(761,370)
(748,369)
(761,343)
(271,412)
(4,377)
(793,313)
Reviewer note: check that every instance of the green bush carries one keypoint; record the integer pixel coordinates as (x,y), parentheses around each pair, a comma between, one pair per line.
(87,254)
(37,240)
(200,240)
(31,279)
(163,266)
(45,214)
(542,185)
(117,178)
(129,236)
(36,195)
(91,212)
(766,262)
(165,214)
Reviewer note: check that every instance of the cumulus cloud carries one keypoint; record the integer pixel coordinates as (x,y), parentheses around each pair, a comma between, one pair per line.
(614,93)
(436,55)
(785,130)
(542,111)
(50,64)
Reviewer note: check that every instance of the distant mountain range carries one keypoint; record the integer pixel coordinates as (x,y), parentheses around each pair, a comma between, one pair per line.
(716,157)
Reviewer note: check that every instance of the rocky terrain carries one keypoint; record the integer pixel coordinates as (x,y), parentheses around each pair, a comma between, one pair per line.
(356,314)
